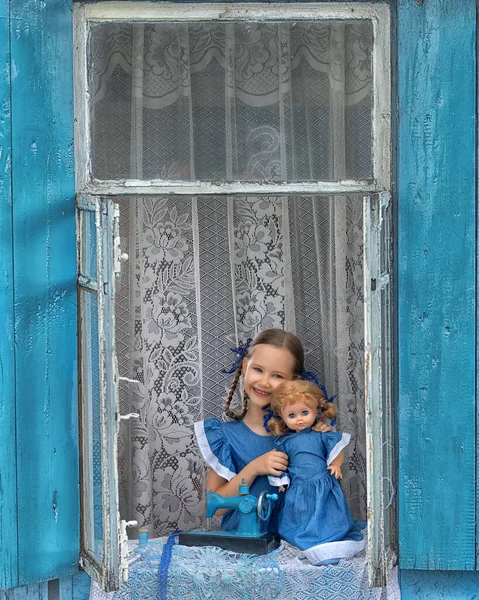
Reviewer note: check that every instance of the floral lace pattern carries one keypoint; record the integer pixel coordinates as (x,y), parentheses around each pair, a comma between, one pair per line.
(210,573)
(229,101)
(177,351)
(226,102)
(173,52)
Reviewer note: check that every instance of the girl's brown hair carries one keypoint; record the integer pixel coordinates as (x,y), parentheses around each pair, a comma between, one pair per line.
(290,392)
(274,337)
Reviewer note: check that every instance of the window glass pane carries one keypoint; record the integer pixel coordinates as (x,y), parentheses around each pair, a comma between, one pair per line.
(183,298)
(231,101)
(92,469)
(88,254)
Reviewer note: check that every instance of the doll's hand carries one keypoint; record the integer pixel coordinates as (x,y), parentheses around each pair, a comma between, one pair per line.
(281,488)
(322,427)
(336,471)
(271,463)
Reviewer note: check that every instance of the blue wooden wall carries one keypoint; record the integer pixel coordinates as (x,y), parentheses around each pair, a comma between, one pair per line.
(8,468)
(437,284)
(437,290)
(39,499)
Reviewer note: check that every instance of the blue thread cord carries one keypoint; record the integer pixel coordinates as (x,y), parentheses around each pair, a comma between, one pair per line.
(309,376)
(241,351)
(165,565)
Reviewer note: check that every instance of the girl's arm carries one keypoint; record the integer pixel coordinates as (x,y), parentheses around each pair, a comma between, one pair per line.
(271,463)
(335,466)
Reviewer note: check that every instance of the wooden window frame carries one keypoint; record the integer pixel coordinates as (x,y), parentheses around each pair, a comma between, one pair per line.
(375,191)
(134,12)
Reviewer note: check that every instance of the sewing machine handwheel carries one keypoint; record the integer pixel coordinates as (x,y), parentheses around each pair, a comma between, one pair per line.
(265,506)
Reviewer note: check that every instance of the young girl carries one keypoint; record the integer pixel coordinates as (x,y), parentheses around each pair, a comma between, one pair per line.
(241,449)
(316,517)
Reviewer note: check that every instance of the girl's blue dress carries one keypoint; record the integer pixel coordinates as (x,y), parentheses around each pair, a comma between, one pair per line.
(316,517)
(227,448)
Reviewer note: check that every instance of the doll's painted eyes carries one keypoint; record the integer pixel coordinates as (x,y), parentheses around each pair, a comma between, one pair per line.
(304,413)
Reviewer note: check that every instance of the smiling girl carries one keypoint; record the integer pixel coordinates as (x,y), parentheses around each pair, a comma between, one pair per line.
(242,449)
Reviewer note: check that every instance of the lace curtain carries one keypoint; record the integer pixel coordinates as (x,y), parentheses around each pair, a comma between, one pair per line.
(223,102)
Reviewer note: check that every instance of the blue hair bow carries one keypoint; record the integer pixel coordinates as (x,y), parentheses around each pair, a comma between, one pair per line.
(269,415)
(309,376)
(241,351)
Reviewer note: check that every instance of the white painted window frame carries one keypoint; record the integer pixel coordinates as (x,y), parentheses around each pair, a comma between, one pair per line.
(103,566)
(375,189)
(131,12)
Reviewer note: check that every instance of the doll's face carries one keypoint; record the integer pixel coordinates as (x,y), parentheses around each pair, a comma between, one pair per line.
(299,416)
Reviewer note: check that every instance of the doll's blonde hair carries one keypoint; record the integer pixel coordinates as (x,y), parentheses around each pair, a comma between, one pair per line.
(291,392)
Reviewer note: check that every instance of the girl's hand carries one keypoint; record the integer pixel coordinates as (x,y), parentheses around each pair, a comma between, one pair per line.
(271,463)
(335,470)
(322,427)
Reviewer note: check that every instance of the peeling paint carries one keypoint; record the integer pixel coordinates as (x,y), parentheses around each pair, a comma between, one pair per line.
(55,505)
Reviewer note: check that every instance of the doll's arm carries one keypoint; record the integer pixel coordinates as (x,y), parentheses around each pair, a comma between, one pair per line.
(280,481)
(335,466)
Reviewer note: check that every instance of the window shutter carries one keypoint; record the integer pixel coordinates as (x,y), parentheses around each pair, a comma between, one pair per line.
(97,255)
(380,430)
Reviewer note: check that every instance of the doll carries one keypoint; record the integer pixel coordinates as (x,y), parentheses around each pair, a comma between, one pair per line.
(315,517)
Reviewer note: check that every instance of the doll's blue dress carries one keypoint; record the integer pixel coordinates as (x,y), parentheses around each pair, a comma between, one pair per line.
(227,447)
(316,517)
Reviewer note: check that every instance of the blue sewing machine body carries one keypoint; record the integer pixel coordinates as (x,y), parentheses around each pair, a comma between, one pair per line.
(248,537)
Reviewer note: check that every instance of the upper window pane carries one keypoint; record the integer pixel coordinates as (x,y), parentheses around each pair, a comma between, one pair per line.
(218,101)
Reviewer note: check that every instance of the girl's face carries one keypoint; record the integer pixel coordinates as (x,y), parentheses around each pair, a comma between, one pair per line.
(299,416)
(264,370)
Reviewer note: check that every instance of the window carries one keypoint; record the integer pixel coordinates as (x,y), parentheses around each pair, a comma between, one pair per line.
(249,155)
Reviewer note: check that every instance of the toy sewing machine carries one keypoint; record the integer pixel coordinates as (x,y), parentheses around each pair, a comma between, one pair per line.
(248,537)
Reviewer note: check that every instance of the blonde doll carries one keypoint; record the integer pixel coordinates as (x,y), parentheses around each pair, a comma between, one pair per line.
(315,517)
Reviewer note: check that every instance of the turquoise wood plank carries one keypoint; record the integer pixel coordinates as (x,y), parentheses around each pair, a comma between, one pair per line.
(81,586)
(76,587)
(253,1)
(35,591)
(436,222)
(439,585)
(44,289)
(8,467)
(65,588)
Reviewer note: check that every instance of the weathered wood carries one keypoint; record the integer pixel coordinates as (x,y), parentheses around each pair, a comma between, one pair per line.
(8,477)
(379,17)
(81,586)
(65,588)
(44,289)
(439,585)
(436,183)
(100,550)
(382,537)
(132,187)
(35,591)
(76,587)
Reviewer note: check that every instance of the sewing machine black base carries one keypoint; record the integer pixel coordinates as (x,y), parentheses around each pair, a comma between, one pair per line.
(234,543)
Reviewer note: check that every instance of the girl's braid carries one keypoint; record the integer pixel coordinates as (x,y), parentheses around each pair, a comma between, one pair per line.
(229,413)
